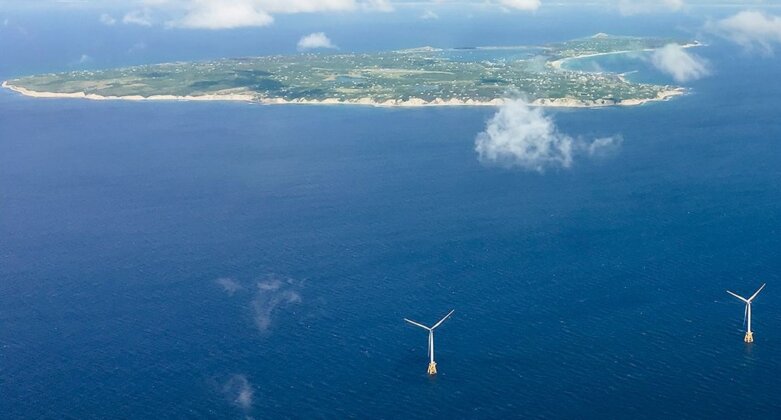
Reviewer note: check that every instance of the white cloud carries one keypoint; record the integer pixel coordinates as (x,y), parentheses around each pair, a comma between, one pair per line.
(520,4)
(683,66)
(378,6)
(107,19)
(229,14)
(429,14)
(524,137)
(271,295)
(222,14)
(315,40)
(239,391)
(270,6)
(228,284)
(305,6)
(141,17)
(751,29)
(635,7)
(604,146)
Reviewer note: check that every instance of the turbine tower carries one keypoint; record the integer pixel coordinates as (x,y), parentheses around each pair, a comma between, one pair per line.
(432,365)
(749,338)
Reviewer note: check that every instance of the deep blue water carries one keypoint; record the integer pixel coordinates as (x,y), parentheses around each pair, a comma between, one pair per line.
(591,292)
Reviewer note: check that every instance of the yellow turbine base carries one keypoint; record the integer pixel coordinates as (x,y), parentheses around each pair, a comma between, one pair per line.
(432,368)
(749,338)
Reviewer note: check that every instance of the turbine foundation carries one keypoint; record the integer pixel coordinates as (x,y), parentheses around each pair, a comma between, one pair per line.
(749,338)
(432,368)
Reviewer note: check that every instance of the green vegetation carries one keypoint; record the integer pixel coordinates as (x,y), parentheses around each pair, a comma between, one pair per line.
(424,74)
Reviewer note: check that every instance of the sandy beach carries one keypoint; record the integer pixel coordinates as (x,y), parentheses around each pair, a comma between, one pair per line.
(82,95)
(557,64)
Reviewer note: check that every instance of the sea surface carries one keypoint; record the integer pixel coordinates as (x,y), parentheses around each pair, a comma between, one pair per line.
(231,260)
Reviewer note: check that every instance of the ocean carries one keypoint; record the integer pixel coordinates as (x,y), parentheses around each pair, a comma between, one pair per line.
(230,260)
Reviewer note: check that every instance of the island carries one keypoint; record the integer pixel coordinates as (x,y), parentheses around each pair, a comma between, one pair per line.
(413,77)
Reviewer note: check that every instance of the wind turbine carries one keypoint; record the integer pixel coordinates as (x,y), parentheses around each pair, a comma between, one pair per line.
(749,338)
(432,365)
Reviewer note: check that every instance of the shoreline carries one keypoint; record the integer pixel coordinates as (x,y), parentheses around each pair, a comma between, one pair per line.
(558,64)
(410,103)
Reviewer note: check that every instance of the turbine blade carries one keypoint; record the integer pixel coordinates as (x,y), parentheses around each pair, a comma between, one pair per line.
(417,324)
(745,314)
(757,292)
(443,319)
(738,296)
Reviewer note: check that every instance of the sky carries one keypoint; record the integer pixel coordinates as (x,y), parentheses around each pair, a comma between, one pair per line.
(59,35)
(232,14)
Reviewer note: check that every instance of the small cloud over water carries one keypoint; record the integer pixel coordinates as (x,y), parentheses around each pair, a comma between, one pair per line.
(141,17)
(228,284)
(521,136)
(751,29)
(429,14)
(527,5)
(674,60)
(269,297)
(273,295)
(239,391)
(107,19)
(636,7)
(315,40)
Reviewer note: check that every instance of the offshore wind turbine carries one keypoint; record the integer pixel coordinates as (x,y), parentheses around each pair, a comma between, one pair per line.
(432,365)
(749,338)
